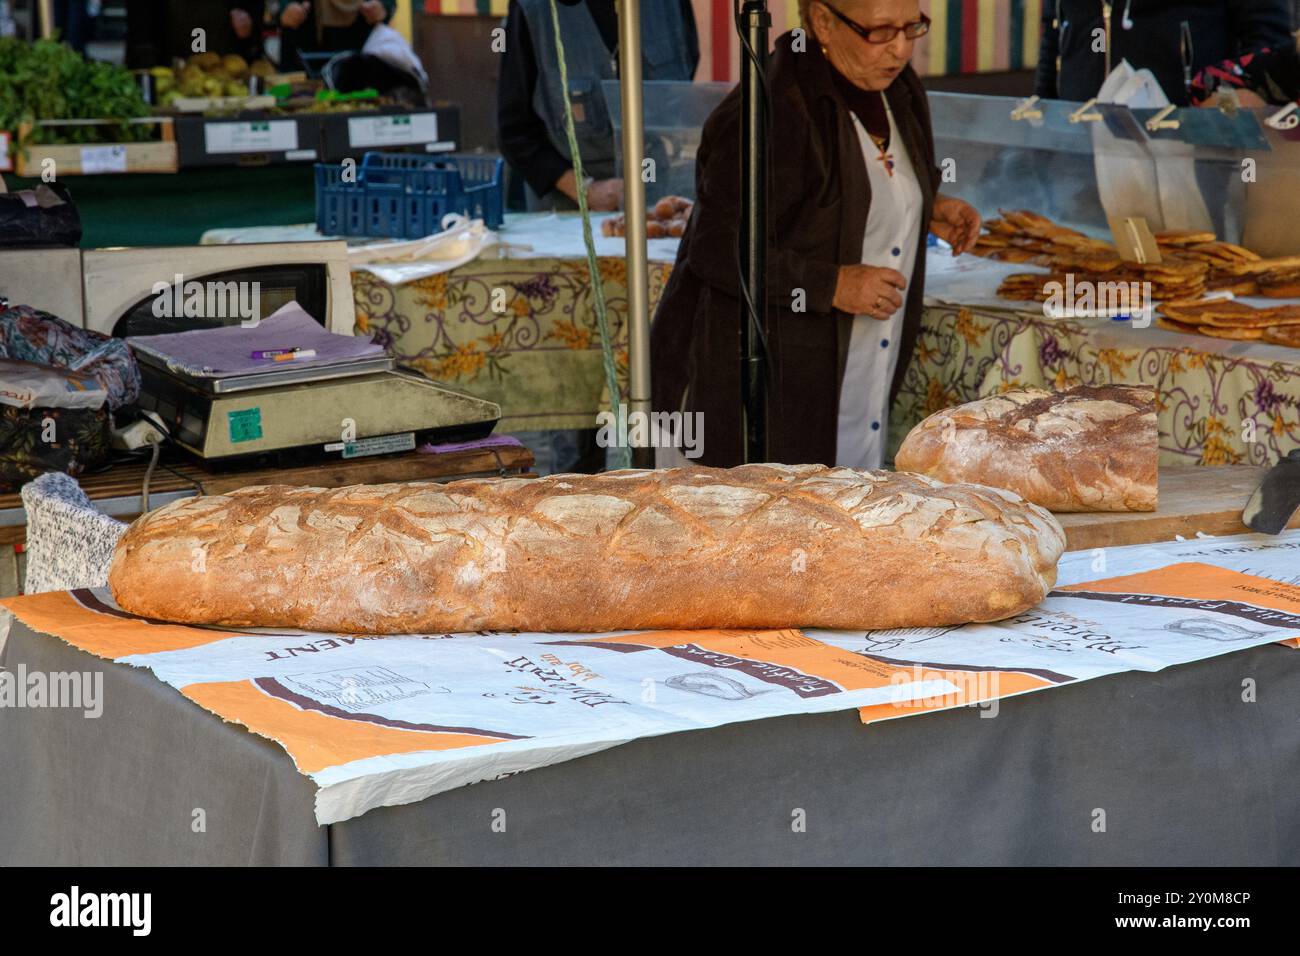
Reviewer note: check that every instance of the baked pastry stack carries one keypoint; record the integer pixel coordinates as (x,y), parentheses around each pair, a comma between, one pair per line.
(665,218)
(760,546)
(1091,448)
(1024,236)
(1227,319)
(1193,262)
(1172,278)
(1227,263)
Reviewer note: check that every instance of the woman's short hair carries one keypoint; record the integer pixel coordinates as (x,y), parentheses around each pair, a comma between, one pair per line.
(804,19)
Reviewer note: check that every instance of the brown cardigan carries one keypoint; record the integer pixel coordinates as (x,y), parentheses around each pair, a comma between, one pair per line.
(817,214)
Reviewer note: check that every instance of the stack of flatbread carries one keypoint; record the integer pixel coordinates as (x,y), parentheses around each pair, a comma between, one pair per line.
(1237,269)
(1173,278)
(1023,236)
(1224,319)
(1193,263)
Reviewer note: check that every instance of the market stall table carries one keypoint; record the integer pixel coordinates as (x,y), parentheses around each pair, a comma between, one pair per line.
(1187,768)
(540,360)
(534,346)
(1193,501)
(1221,402)
(1186,772)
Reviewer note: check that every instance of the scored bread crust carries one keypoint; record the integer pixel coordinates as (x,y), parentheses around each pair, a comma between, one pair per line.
(759,546)
(1091,448)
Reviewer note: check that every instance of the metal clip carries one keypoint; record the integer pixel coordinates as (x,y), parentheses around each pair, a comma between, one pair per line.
(1025,109)
(1161,121)
(1086,113)
(1288,117)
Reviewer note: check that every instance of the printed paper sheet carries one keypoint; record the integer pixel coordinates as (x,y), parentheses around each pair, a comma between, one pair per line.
(378,721)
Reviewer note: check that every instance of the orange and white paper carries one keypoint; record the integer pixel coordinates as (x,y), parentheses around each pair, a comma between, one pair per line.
(378,721)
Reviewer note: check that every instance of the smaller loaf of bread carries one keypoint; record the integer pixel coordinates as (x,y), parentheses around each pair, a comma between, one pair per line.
(1091,448)
(760,546)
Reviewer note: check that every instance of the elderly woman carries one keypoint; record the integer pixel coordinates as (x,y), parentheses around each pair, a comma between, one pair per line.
(853,191)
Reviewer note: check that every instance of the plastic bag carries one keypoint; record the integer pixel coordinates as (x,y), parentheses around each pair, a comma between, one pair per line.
(31,335)
(28,385)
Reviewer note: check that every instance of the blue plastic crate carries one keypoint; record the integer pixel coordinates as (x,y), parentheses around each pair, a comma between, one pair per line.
(405,195)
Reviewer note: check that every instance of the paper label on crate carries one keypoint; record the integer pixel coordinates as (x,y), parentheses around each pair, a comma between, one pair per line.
(252,136)
(245,424)
(294,155)
(103,159)
(442,146)
(379,445)
(392,130)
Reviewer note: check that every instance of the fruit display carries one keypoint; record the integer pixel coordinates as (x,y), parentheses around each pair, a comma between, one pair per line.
(207,75)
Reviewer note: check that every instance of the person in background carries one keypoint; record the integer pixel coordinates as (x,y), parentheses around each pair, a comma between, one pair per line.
(854,194)
(157,33)
(1265,77)
(328,26)
(530,104)
(245,28)
(75,21)
(1083,40)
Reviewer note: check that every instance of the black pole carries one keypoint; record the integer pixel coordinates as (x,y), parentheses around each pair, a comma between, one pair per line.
(755,22)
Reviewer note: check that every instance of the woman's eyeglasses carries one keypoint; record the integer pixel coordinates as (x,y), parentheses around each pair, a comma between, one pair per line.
(885,34)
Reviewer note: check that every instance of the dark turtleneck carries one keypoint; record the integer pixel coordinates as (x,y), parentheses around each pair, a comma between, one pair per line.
(867,105)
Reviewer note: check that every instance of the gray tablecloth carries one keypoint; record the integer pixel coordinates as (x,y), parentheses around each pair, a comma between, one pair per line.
(1176,765)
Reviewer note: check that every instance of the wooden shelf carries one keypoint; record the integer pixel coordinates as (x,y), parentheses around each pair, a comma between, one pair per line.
(1193,499)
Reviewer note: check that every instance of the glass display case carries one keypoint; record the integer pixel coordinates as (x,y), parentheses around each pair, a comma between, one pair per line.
(674,113)
(1233,171)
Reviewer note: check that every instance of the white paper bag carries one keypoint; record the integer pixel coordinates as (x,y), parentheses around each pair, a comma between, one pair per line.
(1156,181)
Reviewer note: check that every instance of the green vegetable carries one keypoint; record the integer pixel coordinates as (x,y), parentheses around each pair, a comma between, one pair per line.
(49,80)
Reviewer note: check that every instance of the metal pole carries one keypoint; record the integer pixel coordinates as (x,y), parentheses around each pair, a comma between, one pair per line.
(638,286)
(755,21)
(46,15)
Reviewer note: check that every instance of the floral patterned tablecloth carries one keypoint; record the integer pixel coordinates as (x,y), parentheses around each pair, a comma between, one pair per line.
(522,333)
(1220,402)
(519,332)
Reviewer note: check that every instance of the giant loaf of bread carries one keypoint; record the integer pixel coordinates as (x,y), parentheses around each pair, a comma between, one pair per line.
(760,546)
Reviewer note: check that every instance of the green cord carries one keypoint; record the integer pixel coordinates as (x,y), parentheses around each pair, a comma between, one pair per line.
(620,455)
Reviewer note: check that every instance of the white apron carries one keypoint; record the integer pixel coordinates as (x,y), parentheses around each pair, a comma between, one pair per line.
(893,230)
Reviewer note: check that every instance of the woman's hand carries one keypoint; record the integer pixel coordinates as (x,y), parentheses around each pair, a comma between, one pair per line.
(603,195)
(956,222)
(869,290)
(373,11)
(294,15)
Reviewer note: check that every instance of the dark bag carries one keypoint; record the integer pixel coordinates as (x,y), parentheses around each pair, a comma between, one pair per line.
(80,441)
(44,216)
(58,387)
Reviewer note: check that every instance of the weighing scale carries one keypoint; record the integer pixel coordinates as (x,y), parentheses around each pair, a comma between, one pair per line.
(297,416)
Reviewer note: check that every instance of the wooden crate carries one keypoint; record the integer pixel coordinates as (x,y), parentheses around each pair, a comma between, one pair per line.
(87,159)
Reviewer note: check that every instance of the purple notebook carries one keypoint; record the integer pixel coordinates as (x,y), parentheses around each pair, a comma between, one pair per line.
(215,353)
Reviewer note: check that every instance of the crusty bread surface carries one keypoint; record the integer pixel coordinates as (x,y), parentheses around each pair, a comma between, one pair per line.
(1090,448)
(759,546)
